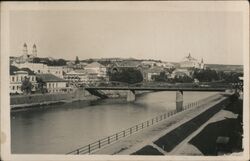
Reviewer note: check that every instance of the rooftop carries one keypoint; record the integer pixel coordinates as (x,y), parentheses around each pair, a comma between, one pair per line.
(189,58)
(50,78)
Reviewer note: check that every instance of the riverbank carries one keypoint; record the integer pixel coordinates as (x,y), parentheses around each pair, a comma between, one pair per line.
(144,142)
(37,100)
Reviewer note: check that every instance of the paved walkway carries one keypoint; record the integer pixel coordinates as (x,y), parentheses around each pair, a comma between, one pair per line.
(146,136)
(184,148)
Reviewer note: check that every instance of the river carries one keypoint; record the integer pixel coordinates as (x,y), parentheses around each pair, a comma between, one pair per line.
(58,129)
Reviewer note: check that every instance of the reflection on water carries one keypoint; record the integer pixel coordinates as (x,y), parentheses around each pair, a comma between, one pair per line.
(58,129)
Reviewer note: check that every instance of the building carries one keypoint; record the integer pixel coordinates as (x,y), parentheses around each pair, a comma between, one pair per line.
(40,68)
(53,83)
(97,71)
(180,73)
(148,63)
(190,62)
(149,74)
(76,76)
(55,70)
(17,76)
(126,64)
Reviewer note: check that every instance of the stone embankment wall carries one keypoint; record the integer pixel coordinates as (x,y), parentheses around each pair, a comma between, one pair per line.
(21,101)
(39,99)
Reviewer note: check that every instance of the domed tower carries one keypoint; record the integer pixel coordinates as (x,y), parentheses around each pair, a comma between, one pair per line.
(34,51)
(25,51)
(202,64)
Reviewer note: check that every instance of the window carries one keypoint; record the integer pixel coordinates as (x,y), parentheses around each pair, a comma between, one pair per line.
(13,87)
(49,85)
(13,78)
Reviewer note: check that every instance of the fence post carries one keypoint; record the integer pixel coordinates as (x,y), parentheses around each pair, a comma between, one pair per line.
(147,124)
(99,143)
(116,136)
(130,130)
(136,127)
(108,140)
(124,133)
(77,151)
(142,125)
(89,148)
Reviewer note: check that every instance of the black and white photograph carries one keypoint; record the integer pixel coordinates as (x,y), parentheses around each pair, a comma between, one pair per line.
(165,80)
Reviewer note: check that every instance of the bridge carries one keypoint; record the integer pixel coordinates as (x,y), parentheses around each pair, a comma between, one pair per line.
(173,88)
(95,90)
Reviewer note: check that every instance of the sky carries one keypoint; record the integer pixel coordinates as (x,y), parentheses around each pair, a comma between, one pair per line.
(216,36)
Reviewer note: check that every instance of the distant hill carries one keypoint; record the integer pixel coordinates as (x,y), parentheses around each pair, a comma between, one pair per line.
(220,67)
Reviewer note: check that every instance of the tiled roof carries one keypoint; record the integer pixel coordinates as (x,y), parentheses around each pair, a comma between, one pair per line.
(50,78)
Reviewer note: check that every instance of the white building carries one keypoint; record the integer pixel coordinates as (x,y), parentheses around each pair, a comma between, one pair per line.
(40,68)
(190,62)
(149,74)
(17,76)
(53,83)
(79,76)
(97,70)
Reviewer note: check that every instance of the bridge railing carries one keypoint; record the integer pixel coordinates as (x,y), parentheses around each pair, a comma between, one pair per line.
(127,132)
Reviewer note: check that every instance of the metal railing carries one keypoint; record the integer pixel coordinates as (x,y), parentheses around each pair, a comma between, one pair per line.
(122,134)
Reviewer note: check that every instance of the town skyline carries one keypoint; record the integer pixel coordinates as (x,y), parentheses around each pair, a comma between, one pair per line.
(161,35)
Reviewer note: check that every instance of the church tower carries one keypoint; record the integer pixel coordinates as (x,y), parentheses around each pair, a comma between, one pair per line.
(202,64)
(25,51)
(34,51)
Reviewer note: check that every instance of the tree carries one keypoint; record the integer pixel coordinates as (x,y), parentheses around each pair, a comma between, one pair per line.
(183,79)
(170,70)
(77,60)
(41,85)
(129,75)
(206,75)
(160,78)
(26,86)
(61,62)
(36,60)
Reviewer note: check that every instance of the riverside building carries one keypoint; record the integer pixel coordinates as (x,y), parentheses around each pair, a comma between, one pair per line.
(17,76)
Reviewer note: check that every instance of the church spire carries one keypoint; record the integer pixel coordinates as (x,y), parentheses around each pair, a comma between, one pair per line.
(25,49)
(34,50)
